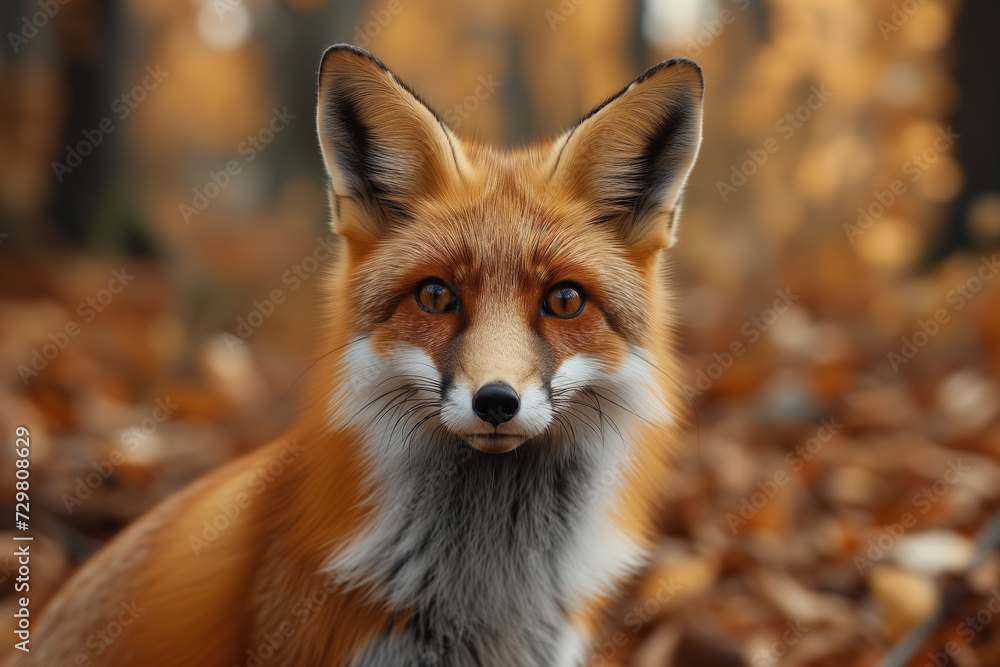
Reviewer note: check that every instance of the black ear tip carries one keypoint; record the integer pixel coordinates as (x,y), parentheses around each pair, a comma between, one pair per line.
(338,50)
(686,64)
(689,63)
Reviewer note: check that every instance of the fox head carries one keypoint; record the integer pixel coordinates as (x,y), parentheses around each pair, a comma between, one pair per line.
(502,298)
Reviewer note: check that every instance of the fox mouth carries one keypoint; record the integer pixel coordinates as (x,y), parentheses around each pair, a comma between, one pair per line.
(495,443)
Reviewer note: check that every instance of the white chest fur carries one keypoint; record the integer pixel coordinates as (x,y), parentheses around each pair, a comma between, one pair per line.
(488,553)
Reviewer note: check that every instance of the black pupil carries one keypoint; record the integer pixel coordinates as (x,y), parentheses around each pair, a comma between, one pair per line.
(438,296)
(564,295)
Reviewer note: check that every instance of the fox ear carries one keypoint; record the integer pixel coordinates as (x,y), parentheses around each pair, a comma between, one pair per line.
(383,147)
(629,157)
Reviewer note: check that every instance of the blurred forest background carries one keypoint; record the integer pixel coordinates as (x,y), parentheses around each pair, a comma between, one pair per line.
(163,215)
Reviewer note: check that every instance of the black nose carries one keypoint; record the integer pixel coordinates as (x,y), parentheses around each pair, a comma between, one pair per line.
(495,403)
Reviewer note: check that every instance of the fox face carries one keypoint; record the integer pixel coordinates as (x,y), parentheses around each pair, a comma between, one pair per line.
(501,298)
(505,314)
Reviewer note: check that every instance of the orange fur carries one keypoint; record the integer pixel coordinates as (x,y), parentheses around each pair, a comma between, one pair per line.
(499,227)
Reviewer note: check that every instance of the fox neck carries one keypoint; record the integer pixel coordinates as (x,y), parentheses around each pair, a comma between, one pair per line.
(491,548)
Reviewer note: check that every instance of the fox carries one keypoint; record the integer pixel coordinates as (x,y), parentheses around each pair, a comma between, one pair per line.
(474,474)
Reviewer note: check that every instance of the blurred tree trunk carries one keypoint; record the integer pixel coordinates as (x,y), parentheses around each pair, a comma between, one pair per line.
(88,50)
(977,73)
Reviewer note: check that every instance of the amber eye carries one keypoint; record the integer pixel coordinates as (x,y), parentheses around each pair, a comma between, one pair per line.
(434,296)
(565,300)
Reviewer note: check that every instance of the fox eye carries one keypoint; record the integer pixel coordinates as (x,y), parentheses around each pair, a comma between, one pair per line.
(565,300)
(434,296)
